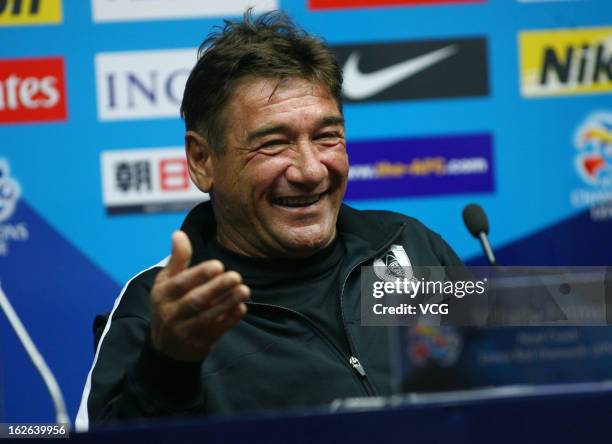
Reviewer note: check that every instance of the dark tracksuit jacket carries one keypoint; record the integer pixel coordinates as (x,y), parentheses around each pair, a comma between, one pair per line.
(274,358)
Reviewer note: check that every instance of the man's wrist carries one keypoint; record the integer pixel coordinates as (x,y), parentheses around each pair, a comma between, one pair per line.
(161,376)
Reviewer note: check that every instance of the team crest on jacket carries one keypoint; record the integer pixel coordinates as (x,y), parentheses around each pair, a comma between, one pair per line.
(393,265)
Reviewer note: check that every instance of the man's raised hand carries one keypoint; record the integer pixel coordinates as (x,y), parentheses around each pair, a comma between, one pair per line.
(192,307)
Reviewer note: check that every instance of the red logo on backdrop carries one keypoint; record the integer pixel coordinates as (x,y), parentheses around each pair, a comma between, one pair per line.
(343,4)
(174,175)
(32,90)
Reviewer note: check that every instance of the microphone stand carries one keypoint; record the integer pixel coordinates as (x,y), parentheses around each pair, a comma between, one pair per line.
(61,415)
(486,246)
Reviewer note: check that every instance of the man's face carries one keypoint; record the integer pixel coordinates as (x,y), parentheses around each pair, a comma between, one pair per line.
(279,183)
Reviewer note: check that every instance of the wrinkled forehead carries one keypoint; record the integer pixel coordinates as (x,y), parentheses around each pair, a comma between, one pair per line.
(261,91)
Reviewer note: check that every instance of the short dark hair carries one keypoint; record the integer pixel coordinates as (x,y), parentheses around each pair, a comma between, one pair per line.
(270,46)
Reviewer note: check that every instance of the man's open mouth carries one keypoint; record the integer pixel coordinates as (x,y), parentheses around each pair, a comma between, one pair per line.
(297,201)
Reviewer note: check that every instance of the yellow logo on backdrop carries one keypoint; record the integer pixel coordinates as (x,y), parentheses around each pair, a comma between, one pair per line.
(30,12)
(566,62)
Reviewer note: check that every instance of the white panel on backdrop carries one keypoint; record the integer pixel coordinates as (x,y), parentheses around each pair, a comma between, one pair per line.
(147,180)
(134,10)
(142,84)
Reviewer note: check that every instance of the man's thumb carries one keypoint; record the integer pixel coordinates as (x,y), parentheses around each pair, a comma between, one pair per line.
(181,253)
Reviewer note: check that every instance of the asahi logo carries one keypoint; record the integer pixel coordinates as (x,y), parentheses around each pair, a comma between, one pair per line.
(557,63)
(149,180)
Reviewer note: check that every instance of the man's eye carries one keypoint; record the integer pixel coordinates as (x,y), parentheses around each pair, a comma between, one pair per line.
(272,146)
(331,137)
(332,133)
(272,143)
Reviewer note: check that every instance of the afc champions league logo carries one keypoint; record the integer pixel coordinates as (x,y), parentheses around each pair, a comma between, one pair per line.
(9,192)
(594,143)
(438,346)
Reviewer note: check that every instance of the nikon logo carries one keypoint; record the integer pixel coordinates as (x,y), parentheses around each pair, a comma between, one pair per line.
(18,7)
(559,63)
(30,12)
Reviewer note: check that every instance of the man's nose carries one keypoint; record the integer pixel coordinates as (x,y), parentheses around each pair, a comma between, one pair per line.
(307,168)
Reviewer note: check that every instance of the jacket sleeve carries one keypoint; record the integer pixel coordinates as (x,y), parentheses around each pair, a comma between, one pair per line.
(129,377)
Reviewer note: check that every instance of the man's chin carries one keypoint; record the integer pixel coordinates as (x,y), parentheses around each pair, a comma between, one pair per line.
(304,245)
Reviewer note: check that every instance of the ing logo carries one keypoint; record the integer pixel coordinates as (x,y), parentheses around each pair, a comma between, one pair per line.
(566,62)
(30,12)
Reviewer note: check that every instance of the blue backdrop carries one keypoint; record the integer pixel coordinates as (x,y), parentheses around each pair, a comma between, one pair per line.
(92,182)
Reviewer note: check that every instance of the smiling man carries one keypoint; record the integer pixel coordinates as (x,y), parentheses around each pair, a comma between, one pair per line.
(279,181)
(258,306)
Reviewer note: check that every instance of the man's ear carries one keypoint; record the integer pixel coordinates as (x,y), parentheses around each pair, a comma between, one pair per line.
(199,158)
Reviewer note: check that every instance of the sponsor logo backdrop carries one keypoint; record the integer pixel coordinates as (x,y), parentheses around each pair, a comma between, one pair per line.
(32,90)
(447,102)
(566,62)
(30,12)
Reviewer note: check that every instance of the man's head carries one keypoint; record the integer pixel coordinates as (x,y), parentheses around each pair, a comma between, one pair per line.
(265,135)
(270,47)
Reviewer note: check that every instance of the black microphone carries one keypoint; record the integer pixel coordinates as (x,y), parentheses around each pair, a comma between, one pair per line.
(477,224)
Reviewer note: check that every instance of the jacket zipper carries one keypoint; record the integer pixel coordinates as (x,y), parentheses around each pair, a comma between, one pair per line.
(357,365)
(351,360)
(354,359)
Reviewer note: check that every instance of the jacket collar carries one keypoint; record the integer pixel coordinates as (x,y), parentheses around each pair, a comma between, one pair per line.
(371,231)
(376,228)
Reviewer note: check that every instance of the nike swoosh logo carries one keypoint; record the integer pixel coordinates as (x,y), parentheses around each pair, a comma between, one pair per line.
(358,85)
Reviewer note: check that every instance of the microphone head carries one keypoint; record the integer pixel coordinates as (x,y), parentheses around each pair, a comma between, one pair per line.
(475,220)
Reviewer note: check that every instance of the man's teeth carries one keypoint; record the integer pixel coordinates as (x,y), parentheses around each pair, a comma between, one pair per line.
(298,201)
